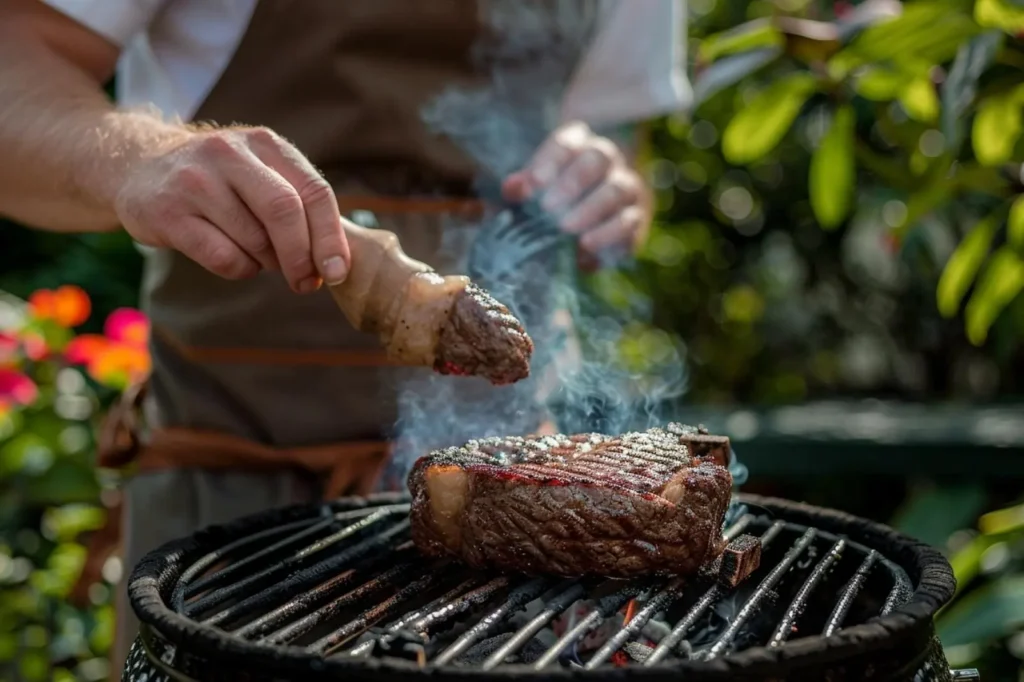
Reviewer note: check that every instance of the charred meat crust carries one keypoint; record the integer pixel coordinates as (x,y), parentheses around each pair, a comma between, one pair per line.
(481,337)
(619,506)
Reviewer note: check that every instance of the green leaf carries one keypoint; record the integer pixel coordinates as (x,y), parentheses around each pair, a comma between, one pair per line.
(1001,282)
(987,614)
(961,85)
(999,14)
(966,562)
(933,513)
(929,31)
(919,100)
(880,84)
(997,127)
(760,125)
(963,265)
(756,34)
(1002,520)
(832,172)
(1015,224)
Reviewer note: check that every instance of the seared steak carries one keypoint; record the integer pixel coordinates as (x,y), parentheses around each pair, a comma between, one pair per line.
(645,502)
(481,337)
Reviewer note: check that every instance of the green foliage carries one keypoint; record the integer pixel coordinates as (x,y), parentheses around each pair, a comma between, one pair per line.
(755,130)
(894,61)
(833,171)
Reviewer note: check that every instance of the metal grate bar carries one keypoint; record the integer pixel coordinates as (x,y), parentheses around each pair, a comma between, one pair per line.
(385,609)
(672,592)
(448,611)
(185,587)
(220,577)
(853,587)
(280,569)
(516,600)
(309,577)
(787,625)
(672,640)
(388,578)
(606,607)
(464,595)
(561,602)
(313,597)
(753,604)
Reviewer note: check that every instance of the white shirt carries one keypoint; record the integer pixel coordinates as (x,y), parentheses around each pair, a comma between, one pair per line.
(174,51)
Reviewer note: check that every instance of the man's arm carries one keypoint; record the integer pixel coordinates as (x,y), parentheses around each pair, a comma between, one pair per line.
(65,148)
(236,200)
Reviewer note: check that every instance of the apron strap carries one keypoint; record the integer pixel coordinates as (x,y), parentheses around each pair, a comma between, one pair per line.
(349,468)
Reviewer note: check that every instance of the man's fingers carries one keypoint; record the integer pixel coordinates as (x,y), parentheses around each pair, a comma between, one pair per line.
(273,201)
(328,244)
(621,230)
(618,191)
(517,187)
(203,242)
(586,170)
(556,153)
(228,211)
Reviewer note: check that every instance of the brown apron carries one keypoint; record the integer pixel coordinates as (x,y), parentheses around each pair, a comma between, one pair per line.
(249,376)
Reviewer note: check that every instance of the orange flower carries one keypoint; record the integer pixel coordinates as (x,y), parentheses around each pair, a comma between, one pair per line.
(119,365)
(16,388)
(68,306)
(128,326)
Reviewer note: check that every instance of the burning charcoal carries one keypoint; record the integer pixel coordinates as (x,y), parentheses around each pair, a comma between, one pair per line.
(637,651)
(741,558)
(401,644)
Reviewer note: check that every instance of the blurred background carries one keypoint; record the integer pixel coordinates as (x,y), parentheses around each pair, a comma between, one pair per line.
(838,256)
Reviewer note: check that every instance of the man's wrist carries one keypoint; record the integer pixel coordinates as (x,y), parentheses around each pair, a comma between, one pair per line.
(124,140)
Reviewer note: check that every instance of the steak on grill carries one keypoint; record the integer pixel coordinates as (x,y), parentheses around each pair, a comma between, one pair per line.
(643,502)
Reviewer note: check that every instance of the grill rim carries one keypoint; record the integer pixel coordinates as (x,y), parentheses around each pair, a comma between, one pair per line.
(909,626)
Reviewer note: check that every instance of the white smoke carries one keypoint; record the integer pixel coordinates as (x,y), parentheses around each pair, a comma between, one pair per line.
(578,377)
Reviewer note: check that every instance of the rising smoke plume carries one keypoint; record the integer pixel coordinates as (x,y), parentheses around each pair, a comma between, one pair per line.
(529,61)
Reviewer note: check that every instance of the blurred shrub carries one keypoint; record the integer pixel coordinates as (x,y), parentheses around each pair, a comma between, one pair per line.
(842,214)
(53,384)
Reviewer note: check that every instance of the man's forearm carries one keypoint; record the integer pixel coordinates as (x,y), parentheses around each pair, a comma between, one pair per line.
(65,149)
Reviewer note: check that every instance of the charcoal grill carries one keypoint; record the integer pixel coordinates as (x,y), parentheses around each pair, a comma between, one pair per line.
(338,592)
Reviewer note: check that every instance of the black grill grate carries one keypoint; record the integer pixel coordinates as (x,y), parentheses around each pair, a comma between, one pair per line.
(350,585)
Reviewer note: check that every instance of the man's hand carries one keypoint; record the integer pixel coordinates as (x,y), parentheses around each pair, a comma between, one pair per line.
(585,180)
(237,201)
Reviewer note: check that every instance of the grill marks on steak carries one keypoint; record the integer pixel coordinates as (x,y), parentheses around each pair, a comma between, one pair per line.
(482,337)
(643,502)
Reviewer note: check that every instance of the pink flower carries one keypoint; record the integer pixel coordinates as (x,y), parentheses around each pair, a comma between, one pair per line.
(16,388)
(9,346)
(128,326)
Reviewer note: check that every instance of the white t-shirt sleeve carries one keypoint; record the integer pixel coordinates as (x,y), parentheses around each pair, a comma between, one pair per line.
(636,66)
(116,20)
